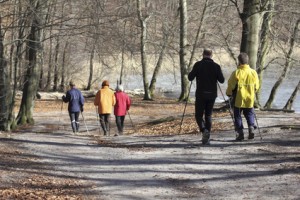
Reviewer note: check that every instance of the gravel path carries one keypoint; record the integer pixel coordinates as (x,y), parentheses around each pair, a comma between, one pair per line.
(172,167)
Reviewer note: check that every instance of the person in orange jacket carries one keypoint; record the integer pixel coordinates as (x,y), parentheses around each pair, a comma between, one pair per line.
(105,100)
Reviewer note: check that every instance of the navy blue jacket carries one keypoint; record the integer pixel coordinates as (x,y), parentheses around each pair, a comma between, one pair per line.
(75,99)
(207,74)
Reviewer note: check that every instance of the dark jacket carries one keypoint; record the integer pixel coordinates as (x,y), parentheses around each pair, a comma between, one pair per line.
(75,99)
(207,74)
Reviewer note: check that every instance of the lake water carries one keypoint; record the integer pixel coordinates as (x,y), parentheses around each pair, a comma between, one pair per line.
(170,84)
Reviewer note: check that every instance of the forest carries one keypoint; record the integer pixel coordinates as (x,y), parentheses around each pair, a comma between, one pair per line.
(46,43)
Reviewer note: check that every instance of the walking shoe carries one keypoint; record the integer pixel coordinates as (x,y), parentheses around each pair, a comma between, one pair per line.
(251,132)
(240,135)
(205,137)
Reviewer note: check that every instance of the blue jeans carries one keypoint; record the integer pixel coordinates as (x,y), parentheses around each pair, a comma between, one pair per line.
(74,121)
(204,106)
(248,114)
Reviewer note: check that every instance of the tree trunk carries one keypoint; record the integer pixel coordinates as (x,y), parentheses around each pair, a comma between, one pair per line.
(91,66)
(63,67)
(182,52)
(25,115)
(287,65)
(56,72)
(5,98)
(290,102)
(143,24)
(251,20)
(264,46)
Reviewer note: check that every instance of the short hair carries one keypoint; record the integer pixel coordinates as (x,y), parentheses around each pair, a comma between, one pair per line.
(71,83)
(207,52)
(243,58)
(105,83)
(120,88)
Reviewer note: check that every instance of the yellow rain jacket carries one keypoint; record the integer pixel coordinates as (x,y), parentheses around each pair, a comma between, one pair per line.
(246,81)
(105,100)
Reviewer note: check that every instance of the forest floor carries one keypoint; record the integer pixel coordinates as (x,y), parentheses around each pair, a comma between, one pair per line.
(153,159)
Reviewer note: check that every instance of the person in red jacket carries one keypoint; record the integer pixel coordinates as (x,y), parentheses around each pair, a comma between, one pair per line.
(122,105)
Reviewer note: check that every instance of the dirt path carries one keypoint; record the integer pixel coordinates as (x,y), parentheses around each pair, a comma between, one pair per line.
(156,167)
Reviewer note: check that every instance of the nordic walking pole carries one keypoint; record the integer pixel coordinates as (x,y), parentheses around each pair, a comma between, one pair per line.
(185,107)
(257,126)
(230,109)
(98,120)
(85,124)
(131,120)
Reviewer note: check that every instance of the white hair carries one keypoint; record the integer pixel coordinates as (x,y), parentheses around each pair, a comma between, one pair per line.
(120,88)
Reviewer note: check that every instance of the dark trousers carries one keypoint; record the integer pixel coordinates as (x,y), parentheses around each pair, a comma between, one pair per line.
(105,122)
(248,114)
(74,121)
(120,123)
(204,106)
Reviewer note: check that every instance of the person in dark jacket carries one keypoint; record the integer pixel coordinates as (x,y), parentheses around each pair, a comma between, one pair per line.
(76,102)
(208,74)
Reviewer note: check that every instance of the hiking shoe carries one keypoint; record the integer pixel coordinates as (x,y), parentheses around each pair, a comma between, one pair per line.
(251,133)
(205,137)
(240,135)
(116,134)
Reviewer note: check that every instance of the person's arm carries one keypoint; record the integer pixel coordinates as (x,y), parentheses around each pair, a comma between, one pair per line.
(193,73)
(220,76)
(231,84)
(128,103)
(97,99)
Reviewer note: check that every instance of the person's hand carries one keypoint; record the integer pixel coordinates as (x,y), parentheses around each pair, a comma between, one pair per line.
(81,108)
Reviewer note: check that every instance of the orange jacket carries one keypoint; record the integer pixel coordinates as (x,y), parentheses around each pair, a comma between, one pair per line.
(105,100)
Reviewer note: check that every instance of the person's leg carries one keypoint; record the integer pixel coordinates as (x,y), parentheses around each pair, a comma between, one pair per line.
(208,113)
(122,124)
(102,123)
(250,117)
(107,122)
(199,110)
(119,124)
(73,122)
(77,121)
(238,123)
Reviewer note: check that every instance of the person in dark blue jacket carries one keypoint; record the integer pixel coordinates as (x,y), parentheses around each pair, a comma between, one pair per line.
(76,103)
(208,74)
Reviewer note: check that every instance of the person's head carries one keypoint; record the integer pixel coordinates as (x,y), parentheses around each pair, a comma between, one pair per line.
(120,88)
(105,83)
(207,53)
(71,83)
(243,58)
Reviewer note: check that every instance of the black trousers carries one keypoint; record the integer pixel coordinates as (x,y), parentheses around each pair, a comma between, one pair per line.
(204,106)
(120,123)
(105,122)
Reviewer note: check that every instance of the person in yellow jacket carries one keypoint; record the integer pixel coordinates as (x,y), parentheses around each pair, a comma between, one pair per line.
(242,86)
(105,100)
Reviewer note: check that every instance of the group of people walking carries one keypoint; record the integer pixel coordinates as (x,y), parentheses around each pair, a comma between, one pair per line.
(105,100)
(242,86)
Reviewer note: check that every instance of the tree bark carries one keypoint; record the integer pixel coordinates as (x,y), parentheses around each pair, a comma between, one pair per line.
(143,47)
(33,47)
(182,52)
(264,46)
(290,102)
(287,65)
(251,22)
(5,98)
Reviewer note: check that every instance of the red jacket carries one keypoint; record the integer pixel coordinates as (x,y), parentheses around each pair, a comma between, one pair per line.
(122,103)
